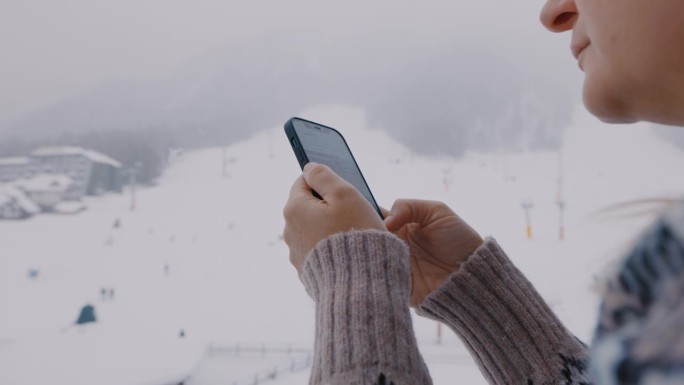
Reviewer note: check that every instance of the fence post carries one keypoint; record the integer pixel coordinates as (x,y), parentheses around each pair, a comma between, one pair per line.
(527,206)
(561,229)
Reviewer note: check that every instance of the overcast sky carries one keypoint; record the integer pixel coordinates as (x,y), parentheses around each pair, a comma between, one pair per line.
(54,49)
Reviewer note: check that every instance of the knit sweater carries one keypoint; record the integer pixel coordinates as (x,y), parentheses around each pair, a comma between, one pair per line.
(364,332)
(360,282)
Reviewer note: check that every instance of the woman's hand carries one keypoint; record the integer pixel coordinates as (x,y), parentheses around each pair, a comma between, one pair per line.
(439,241)
(309,219)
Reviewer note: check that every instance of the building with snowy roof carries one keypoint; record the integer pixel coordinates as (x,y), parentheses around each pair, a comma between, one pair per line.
(91,172)
(47,190)
(14,168)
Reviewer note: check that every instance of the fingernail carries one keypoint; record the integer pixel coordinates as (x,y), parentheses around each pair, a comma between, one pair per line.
(309,165)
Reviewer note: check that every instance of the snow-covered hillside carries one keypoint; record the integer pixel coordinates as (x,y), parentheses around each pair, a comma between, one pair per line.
(201,255)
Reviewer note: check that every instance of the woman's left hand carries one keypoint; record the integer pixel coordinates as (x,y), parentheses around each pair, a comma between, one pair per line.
(309,219)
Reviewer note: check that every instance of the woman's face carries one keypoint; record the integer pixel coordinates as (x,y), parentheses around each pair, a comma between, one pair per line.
(632,53)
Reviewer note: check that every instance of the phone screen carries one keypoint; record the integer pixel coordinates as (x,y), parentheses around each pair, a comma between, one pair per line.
(325,145)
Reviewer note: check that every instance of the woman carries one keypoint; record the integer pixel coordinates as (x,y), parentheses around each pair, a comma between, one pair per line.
(363,272)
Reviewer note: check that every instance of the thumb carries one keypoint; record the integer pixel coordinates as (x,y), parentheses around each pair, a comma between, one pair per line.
(322,179)
(405,211)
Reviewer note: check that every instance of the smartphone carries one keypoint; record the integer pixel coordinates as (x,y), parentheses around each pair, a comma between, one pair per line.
(314,142)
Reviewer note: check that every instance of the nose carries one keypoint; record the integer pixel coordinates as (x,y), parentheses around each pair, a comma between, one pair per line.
(559,15)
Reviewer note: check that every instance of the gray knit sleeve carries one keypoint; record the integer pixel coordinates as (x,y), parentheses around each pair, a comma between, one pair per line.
(510,331)
(360,282)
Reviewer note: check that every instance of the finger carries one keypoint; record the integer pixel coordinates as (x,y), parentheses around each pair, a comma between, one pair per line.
(302,191)
(299,187)
(299,192)
(409,211)
(286,235)
(323,180)
(384,211)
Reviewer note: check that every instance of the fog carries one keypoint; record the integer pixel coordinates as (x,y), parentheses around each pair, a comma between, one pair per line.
(474,73)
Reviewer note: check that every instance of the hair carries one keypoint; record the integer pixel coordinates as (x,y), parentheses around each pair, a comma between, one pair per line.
(644,207)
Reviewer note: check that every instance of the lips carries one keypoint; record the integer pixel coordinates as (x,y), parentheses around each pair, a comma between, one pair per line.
(578,47)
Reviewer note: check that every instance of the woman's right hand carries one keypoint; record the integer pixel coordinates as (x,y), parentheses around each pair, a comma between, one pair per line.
(439,241)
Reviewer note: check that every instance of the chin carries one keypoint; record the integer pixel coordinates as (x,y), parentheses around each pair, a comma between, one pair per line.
(607,107)
(614,118)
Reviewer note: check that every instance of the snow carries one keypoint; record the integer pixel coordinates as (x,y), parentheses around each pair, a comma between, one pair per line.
(202,253)
(69,207)
(46,183)
(95,156)
(9,193)
(18,161)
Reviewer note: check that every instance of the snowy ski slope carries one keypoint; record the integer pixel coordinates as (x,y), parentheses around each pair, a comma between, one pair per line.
(202,254)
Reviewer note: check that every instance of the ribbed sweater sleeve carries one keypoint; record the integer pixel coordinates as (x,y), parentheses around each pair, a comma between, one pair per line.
(360,282)
(510,331)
